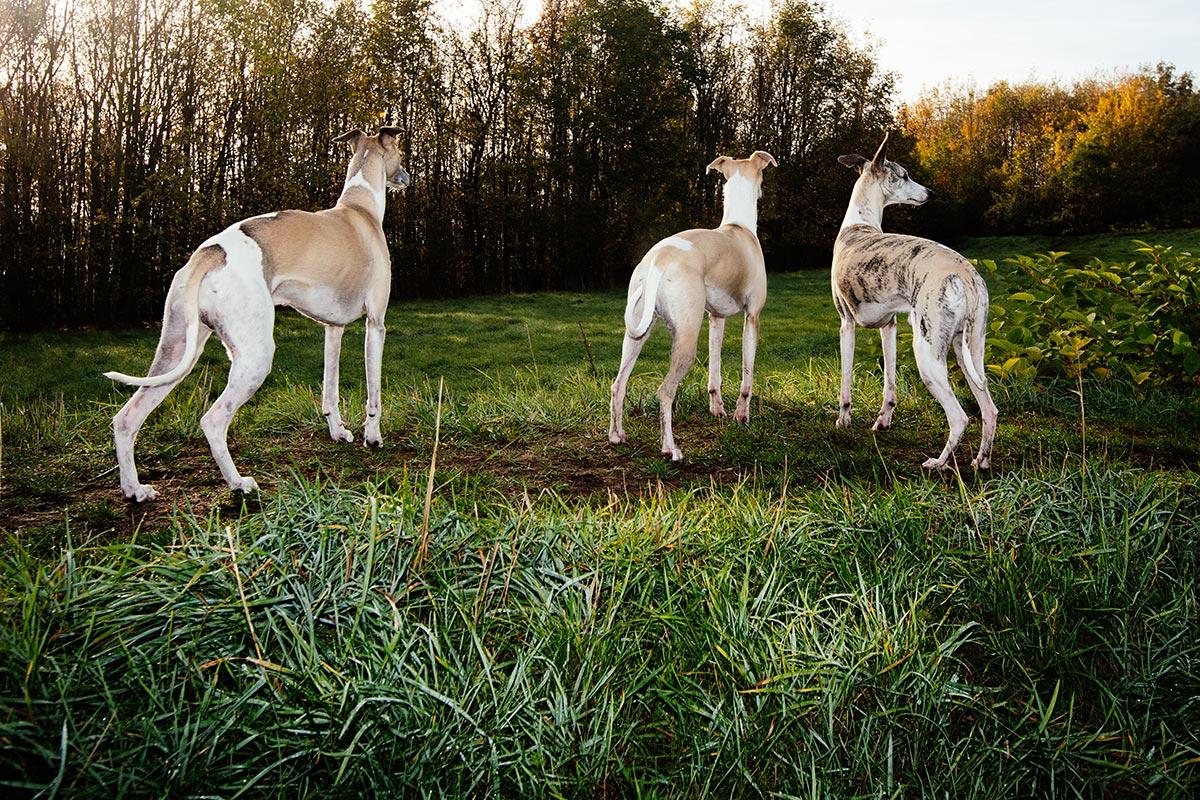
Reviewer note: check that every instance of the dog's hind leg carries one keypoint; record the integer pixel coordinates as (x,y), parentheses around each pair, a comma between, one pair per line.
(932,365)
(246,373)
(329,386)
(128,421)
(887,336)
(716,335)
(245,321)
(630,349)
(684,317)
(987,407)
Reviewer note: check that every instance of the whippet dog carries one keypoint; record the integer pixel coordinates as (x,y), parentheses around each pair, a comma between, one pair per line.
(720,271)
(878,275)
(332,266)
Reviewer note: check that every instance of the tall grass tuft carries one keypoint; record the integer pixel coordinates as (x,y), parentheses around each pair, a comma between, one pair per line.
(1038,635)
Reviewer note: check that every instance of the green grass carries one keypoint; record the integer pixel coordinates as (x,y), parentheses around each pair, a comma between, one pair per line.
(1033,636)
(795,611)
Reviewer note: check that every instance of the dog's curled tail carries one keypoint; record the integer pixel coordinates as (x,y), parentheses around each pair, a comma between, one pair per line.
(200,266)
(647,293)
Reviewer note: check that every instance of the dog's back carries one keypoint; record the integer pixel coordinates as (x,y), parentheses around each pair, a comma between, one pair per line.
(877,275)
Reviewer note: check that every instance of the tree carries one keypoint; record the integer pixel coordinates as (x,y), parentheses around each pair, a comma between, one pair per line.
(811,97)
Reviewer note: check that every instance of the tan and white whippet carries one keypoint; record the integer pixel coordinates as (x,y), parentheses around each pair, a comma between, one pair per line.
(332,266)
(878,275)
(720,271)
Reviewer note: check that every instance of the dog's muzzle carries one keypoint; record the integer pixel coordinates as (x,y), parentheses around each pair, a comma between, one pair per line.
(399,180)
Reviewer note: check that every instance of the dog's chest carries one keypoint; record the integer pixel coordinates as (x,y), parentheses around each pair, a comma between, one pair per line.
(873,289)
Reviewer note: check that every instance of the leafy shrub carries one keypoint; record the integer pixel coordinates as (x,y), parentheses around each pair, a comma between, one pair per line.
(1138,320)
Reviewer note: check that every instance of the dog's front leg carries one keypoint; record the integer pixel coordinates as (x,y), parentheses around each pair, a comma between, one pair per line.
(887,336)
(716,335)
(329,388)
(374,359)
(749,349)
(847,334)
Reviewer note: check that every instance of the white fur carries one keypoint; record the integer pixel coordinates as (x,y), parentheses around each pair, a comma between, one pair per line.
(741,203)
(223,288)
(677,242)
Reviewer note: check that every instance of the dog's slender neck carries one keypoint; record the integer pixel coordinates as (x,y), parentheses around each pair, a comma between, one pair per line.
(741,203)
(365,184)
(866,205)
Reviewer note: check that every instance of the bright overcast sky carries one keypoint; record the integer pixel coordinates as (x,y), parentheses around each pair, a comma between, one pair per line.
(926,42)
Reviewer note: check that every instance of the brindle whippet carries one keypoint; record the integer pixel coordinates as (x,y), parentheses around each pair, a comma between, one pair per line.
(878,275)
(720,271)
(332,266)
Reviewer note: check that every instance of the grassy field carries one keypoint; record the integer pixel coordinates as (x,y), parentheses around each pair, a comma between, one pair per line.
(795,611)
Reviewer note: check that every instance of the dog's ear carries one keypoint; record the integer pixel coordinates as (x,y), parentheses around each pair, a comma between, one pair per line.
(853,162)
(766,158)
(350,137)
(719,164)
(389,134)
(881,153)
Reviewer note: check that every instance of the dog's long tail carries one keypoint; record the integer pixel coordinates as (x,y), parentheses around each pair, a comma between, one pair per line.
(201,263)
(969,360)
(648,294)
(975,326)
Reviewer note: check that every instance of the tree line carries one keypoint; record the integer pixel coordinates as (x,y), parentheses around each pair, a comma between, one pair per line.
(1120,152)
(545,154)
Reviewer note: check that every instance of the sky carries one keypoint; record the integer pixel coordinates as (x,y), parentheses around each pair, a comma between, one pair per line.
(927,42)
(980,42)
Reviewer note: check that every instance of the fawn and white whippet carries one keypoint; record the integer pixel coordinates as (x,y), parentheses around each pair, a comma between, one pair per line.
(332,266)
(720,271)
(878,275)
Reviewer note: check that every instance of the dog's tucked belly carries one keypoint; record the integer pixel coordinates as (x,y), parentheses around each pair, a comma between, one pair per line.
(720,303)
(876,315)
(325,304)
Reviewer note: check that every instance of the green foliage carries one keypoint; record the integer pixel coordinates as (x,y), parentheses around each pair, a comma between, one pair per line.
(1137,321)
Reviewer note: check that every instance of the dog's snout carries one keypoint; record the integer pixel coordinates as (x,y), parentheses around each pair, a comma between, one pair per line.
(401,179)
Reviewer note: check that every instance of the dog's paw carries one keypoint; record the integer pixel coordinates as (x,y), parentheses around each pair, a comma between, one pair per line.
(881,425)
(373,442)
(141,493)
(616,438)
(673,453)
(341,435)
(843,421)
(245,486)
(982,462)
(742,411)
(716,406)
(934,463)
